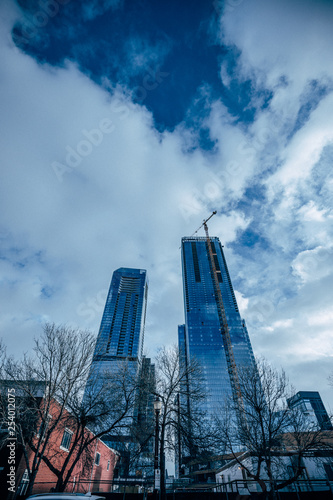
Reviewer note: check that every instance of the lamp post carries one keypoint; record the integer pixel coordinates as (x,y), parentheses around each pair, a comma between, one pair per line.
(157,410)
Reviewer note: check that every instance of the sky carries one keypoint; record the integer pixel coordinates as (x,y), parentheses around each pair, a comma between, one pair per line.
(125,123)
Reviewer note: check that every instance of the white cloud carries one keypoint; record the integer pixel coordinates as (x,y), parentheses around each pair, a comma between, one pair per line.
(310,212)
(242,302)
(286,42)
(281,38)
(325,318)
(313,265)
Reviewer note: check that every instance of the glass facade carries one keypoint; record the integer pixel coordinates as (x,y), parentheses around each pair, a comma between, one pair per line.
(120,340)
(201,335)
(311,404)
(121,334)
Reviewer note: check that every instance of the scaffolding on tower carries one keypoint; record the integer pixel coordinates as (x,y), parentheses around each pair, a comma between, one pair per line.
(229,353)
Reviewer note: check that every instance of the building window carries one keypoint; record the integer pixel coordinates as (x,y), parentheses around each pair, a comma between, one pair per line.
(66,439)
(108,466)
(195,262)
(97,458)
(23,486)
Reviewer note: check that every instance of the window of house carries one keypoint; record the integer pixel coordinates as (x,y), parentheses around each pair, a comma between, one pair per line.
(97,458)
(108,466)
(66,439)
(23,486)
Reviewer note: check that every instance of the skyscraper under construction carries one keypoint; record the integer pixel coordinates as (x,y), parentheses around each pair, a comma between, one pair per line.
(214,332)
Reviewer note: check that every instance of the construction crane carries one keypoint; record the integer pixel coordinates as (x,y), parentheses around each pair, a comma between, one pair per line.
(231,364)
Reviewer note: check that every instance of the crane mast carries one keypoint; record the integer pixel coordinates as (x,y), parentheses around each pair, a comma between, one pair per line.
(231,364)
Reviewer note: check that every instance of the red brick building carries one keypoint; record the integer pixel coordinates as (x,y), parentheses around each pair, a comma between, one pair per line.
(95,474)
(93,471)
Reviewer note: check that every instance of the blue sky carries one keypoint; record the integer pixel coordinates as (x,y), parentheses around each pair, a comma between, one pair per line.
(124,124)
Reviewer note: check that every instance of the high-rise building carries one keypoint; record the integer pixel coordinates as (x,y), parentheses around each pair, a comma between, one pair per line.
(312,407)
(120,340)
(202,335)
(121,333)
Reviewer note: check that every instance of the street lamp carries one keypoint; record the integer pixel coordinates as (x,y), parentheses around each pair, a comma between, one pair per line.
(157,410)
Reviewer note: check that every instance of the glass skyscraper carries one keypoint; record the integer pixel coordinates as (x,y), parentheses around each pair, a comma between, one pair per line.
(120,340)
(121,334)
(201,336)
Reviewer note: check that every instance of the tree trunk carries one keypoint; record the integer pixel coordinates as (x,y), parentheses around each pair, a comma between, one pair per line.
(272,492)
(31,482)
(60,486)
(263,487)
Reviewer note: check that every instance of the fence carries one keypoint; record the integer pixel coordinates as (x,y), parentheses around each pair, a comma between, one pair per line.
(299,490)
(141,489)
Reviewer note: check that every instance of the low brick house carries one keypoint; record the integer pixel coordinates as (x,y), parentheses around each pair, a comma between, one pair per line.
(93,472)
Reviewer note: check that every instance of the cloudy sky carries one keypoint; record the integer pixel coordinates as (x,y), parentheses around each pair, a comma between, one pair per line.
(125,123)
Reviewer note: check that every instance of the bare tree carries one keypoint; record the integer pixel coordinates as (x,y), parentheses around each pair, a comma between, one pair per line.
(265,428)
(106,408)
(179,388)
(330,379)
(2,351)
(50,389)
(60,364)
